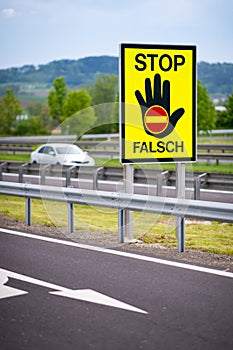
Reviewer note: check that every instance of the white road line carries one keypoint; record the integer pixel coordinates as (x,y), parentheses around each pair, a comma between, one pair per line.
(88,295)
(119,253)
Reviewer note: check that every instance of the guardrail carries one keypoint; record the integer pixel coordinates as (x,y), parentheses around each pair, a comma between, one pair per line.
(119,201)
(212,181)
(72,138)
(35,140)
(218,132)
(110,149)
(215,152)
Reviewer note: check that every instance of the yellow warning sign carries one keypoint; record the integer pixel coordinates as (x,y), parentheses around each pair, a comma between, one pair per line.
(158,103)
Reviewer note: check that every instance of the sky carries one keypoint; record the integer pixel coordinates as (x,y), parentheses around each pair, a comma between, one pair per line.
(40,31)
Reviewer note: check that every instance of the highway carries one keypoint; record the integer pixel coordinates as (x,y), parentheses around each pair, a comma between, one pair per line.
(58,294)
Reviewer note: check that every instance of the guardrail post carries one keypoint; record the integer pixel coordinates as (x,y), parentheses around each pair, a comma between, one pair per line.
(1,168)
(180,194)
(68,175)
(95,178)
(20,174)
(21,167)
(197,186)
(28,211)
(159,189)
(42,173)
(70,217)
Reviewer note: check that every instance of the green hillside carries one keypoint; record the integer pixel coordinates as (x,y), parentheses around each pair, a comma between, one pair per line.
(217,77)
(33,83)
(75,72)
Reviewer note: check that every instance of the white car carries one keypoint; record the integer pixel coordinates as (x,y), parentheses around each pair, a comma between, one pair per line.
(61,153)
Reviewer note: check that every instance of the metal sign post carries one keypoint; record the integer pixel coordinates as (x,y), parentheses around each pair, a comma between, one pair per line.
(121,230)
(128,187)
(180,194)
(125,217)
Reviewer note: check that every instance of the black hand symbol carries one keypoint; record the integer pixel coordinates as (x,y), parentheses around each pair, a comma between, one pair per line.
(161,98)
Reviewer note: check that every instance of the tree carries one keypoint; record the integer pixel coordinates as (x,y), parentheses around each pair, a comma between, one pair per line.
(115,116)
(56,98)
(78,118)
(74,102)
(30,126)
(40,110)
(222,121)
(206,115)
(227,116)
(9,109)
(104,92)
(79,123)
(105,89)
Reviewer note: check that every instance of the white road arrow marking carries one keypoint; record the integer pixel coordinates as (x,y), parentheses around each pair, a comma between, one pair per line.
(5,291)
(88,295)
(98,298)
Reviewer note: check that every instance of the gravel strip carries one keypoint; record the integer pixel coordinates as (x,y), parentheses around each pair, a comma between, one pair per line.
(107,240)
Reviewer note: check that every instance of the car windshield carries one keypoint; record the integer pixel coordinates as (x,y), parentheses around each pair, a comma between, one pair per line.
(68,150)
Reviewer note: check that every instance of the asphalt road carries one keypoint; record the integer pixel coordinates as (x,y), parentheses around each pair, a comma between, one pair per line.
(61,295)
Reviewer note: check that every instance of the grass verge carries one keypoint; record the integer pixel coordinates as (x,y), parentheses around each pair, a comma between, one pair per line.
(209,237)
(202,167)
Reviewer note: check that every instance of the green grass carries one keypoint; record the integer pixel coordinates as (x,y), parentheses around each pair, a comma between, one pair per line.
(195,167)
(212,237)
(55,214)
(15,157)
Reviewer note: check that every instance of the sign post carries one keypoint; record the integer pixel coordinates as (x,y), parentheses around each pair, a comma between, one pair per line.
(158,106)
(180,194)
(128,188)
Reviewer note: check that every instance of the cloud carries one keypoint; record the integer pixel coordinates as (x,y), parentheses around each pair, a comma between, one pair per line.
(9,13)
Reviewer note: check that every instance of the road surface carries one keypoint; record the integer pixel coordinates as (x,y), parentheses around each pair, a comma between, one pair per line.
(57,294)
